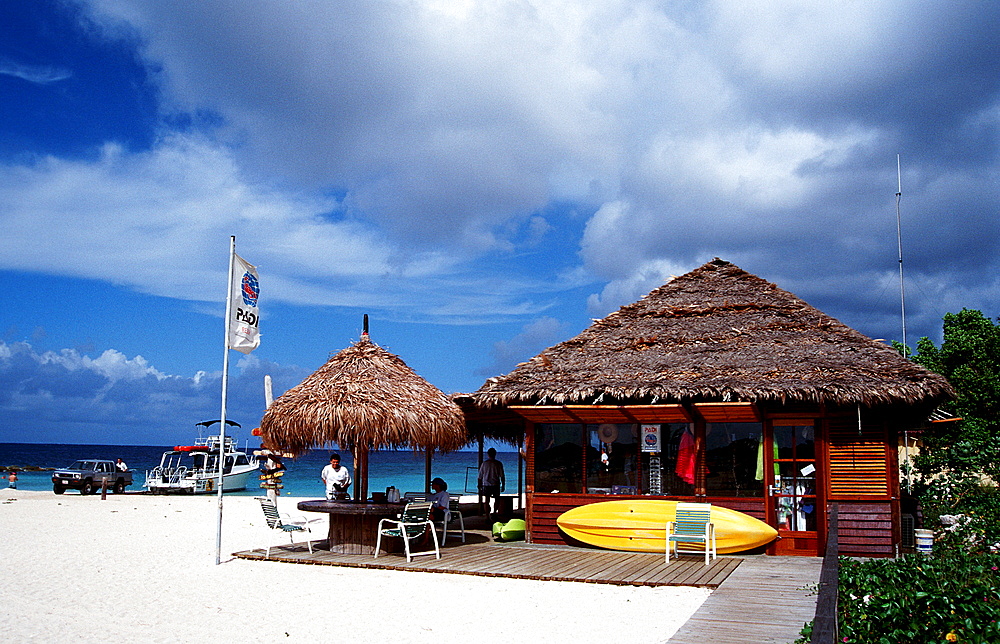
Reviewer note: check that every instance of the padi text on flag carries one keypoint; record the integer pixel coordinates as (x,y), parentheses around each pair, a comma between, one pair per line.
(244,335)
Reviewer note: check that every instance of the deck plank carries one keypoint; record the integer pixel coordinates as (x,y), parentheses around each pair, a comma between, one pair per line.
(765,599)
(523,562)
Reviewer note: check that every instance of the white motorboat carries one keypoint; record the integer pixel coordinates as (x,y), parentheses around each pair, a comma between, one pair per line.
(194,469)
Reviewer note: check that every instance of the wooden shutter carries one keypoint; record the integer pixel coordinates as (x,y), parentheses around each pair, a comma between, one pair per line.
(858,461)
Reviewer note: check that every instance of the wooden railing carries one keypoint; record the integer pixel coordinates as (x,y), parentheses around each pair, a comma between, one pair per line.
(825,622)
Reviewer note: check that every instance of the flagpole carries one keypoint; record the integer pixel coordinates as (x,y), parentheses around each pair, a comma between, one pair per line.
(225,387)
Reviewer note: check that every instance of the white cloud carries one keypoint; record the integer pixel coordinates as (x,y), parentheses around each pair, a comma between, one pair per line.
(533,338)
(391,152)
(39,74)
(619,292)
(58,393)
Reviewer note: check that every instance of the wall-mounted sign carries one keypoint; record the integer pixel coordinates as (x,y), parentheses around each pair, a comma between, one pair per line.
(651,438)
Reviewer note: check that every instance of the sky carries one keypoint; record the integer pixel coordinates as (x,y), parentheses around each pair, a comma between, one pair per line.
(483,179)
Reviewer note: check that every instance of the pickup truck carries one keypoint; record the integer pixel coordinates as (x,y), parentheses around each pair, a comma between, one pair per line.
(88,477)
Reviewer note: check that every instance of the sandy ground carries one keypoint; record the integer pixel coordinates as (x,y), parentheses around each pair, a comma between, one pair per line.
(136,568)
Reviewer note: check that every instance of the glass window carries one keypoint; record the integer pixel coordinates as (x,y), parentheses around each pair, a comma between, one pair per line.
(558,458)
(732,455)
(612,458)
(676,463)
(795,477)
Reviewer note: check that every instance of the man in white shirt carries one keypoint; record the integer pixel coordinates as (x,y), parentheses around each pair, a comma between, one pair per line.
(335,477)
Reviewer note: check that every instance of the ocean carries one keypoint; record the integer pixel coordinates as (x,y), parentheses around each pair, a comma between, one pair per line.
(402,469)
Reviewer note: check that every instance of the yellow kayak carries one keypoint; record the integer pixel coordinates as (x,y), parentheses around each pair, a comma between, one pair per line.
(639,525)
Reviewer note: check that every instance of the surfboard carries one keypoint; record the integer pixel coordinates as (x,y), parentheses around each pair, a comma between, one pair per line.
(639,525)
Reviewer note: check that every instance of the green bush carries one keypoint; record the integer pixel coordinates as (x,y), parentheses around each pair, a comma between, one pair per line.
(952,596)
(976,504)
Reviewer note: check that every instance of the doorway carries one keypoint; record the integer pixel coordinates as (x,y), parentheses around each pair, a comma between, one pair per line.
(793,507)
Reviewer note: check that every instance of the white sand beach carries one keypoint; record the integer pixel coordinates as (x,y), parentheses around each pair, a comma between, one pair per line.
(137,568)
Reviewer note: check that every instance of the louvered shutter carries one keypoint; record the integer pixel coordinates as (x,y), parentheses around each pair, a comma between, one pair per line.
(858,462)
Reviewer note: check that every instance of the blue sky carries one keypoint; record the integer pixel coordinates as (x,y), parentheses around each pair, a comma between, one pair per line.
(481,178)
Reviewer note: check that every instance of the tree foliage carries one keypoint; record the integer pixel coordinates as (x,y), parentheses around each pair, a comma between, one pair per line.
(969,357)
(959,464)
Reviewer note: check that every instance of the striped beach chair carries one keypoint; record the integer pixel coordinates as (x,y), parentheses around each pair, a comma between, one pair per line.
(692,524)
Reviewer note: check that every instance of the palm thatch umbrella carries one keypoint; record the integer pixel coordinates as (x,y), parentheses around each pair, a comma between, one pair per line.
(364,398)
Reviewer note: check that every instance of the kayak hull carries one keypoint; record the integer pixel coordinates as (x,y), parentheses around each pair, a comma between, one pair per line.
(639,525)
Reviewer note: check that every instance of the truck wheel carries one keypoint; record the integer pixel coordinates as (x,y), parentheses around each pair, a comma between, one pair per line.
(87,488)
(58,489)
(120,486)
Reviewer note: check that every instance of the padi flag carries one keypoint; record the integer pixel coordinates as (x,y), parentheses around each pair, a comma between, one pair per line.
(244,335)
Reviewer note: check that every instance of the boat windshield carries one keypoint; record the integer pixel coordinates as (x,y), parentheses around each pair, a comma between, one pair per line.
(209,462)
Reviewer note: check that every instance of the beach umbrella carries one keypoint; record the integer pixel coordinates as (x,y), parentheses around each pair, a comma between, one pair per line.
(364,398)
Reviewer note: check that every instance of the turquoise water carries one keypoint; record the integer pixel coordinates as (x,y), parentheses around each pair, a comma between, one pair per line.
(402,469)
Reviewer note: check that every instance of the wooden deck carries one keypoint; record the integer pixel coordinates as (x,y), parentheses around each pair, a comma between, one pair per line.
(758,598)
(767,599)
(524,561)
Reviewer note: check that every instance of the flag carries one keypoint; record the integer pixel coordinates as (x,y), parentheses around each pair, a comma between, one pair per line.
(244,334)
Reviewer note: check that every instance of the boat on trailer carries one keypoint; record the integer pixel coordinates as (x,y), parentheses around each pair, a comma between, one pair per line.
(194,469)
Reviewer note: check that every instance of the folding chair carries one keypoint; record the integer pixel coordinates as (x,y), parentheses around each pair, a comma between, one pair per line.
(283,522)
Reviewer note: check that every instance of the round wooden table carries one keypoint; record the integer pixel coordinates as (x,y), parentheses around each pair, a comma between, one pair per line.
(353,524)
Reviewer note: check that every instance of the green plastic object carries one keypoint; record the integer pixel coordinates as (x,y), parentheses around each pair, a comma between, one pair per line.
(513,530)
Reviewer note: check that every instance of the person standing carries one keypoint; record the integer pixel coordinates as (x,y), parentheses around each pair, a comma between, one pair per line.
(12,480)
(335,477)
(120,464)
(491,481)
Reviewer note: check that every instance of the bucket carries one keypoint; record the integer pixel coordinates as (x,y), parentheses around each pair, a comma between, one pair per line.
(925,541)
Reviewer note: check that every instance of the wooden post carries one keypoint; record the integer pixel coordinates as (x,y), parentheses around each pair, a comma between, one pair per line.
(428,457)
(360,473)
(480,492)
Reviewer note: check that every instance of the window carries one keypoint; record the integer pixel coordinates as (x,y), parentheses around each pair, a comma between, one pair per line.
(795,476)
(558,458)
(677,462)
(732,455)
(612,455)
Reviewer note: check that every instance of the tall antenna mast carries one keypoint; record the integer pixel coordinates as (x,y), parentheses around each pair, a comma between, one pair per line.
(899,243)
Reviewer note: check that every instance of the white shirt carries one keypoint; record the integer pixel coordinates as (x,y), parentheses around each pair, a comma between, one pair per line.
(441,499)
(491,472)
(339,478)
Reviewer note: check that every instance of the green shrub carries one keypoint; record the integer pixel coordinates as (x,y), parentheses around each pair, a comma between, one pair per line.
(952,596)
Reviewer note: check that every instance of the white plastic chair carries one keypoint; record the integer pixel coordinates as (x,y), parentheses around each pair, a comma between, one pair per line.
(412,525)
(283,522)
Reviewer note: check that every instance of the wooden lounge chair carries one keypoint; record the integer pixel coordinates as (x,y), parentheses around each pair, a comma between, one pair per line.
(411,526)
(283,522)
(692,524)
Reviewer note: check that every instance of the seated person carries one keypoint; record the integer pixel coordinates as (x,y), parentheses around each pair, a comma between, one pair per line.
(440,498)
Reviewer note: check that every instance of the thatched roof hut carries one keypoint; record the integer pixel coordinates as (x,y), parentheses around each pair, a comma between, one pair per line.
(364,398)
(717,333)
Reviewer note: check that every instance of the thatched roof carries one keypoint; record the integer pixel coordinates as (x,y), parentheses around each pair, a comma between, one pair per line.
(717,333)
(363,396)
